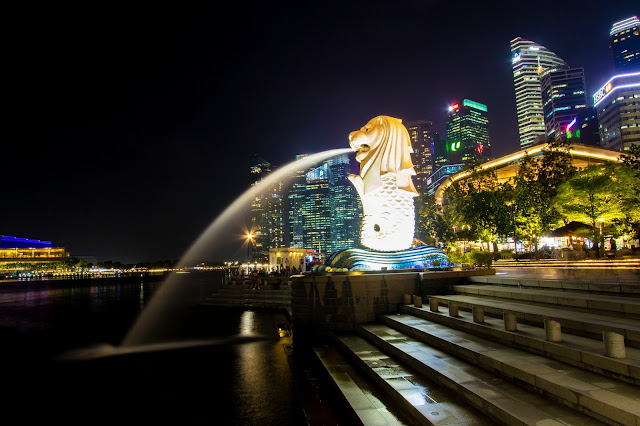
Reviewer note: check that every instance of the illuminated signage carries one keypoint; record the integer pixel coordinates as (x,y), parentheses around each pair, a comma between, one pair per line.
(455,106)
(621,81)
(571,124)
(475,105)
(455,146)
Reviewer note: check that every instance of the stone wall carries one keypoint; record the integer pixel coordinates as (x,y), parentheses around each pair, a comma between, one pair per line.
(338,301)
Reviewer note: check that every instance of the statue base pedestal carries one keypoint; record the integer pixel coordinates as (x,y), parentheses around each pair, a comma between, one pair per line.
(422,257)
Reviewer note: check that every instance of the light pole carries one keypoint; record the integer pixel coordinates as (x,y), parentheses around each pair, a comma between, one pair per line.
(249,243)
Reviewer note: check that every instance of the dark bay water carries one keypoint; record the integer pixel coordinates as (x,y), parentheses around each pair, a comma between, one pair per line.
(244,374)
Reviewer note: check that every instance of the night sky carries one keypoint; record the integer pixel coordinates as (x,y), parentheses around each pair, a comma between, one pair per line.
(129,128)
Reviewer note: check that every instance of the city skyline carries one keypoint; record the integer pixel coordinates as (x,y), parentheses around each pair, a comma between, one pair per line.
(131,130)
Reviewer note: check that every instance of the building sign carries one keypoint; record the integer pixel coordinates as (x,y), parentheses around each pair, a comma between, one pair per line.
(602,92)
(617,82)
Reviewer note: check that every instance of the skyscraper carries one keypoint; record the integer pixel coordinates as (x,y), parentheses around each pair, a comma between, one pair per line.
(624,45)
(345,213)
(316,210)
(267,226)
(618,107)
(324,212)
(529,59)
(423,137)
(467,132)
(563,96)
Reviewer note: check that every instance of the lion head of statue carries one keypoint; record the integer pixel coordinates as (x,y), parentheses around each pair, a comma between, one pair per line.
(383,146)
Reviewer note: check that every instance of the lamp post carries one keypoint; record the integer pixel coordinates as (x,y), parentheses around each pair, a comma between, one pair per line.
(249,244)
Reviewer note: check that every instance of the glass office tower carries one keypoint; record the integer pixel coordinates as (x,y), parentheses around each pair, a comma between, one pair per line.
(624,44)
(467,132)
(529,60)
(563,97)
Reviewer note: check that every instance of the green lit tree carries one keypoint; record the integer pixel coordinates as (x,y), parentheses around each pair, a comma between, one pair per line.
(598,195)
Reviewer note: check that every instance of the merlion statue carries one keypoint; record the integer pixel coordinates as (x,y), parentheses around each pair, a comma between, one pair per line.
(383,149)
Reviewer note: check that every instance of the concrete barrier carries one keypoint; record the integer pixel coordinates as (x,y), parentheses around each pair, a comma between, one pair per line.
(453,309)
(433,304)
(553,330)
(478,313)
(417,301)
(613,344)
(510,321)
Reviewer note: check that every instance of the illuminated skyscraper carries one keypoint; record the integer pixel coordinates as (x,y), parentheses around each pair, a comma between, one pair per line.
(324,213)
(563,97)
(295,197)
(267,212)
(529,61)
(624,43)
(345,212)
(618,107)
(467,132)
(423,137)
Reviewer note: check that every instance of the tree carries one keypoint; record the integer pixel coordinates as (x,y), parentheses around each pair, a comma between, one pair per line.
(598,195)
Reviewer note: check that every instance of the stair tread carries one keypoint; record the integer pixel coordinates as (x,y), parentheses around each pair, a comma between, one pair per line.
(503,399)
(587,389)
(604,320)
(588,351)
(552,293)
(360,397)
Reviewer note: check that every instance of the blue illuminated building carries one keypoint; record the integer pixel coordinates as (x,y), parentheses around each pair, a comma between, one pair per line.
(7,242)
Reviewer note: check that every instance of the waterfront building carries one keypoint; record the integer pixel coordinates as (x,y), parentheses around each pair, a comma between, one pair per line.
(423,137)
(267,226)
(24,250)
(529,60)
(284,259)
(624,45)
(467,132)
(563,97)
(618,107)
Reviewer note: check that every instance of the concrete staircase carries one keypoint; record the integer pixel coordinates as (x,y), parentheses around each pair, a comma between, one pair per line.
(241,295)
(461,357)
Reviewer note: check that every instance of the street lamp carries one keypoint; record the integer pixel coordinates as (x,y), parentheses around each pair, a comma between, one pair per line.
(249,244)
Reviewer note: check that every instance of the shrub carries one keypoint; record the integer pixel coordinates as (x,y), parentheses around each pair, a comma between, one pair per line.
(480,258)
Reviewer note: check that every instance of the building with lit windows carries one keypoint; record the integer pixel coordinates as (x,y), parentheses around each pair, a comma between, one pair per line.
(624,45)
(324,209)
(529,60)
(295,205)
(588,132)
(267,212)
(25,250)
(423,137)
(344,206)
(618,106)
(316,210)
(563,97)
(467,132)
